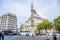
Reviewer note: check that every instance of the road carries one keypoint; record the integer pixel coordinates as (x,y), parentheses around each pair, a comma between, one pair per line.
(29,38)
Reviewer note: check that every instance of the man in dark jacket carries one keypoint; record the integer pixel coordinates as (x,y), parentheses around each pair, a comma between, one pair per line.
(0,35)
(54,37)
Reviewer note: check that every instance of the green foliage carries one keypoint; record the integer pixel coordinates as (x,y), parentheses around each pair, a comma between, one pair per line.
(44,25)
(57,23)
(40,26)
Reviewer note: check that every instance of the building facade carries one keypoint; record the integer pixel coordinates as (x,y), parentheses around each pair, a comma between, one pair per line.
(9,22)
(0,24)
(27,25)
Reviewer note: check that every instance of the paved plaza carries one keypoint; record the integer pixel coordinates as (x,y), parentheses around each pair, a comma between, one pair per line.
(29,38)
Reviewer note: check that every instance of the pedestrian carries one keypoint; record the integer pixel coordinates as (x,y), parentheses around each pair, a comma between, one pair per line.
(2,35)
(54,36)
(47,37)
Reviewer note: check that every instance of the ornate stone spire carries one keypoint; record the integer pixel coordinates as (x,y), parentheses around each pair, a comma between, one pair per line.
(33,11)
(32,15)
(32,5)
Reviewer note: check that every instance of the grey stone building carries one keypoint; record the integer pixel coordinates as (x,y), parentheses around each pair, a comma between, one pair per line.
(8,22)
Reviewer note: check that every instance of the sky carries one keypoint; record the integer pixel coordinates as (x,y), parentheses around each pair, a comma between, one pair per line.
(48,9)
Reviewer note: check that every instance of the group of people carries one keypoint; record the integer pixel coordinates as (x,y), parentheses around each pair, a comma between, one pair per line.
(1,36)
(53,34)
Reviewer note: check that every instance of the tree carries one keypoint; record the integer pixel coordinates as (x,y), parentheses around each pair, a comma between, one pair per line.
(40,27)
(44,25)
(57,23)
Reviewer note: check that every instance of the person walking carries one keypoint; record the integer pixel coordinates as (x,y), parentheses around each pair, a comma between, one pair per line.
(0,35)
(54,37)
(54,34)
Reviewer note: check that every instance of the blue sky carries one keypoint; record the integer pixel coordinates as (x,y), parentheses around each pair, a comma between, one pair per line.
(49,9)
